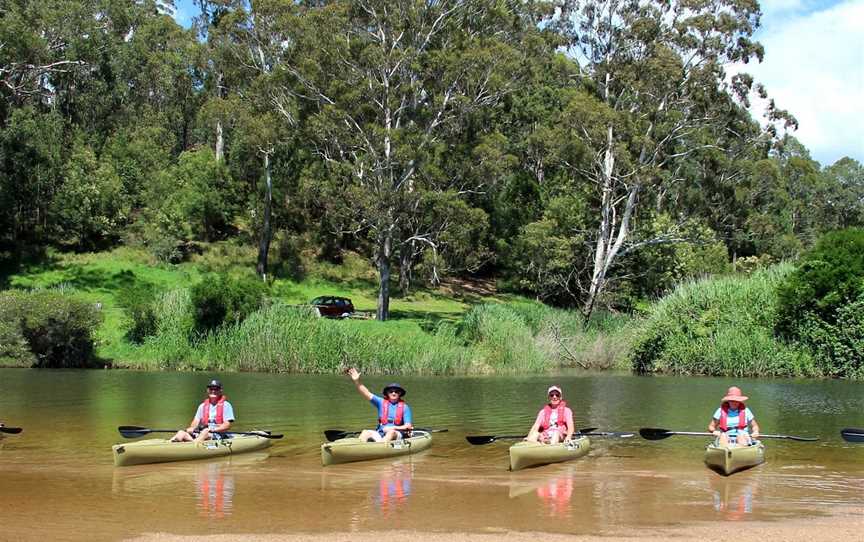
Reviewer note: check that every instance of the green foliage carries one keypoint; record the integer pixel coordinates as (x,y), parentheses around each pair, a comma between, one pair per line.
(138,300)
(819,304)
(221,299)
(720,326)
(89,208)
(58,329)
(828,277)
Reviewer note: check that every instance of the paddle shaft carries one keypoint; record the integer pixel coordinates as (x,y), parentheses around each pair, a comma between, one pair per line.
(663,433)
(488,439)
(132,431)
(336,434)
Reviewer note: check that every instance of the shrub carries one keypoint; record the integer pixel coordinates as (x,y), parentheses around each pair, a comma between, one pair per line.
(220,299)
(58,329)
(721,326)
(829,276)
(138,300)
(820,304)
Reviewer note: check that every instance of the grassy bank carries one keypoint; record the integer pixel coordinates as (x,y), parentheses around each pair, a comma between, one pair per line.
(721,326)
(451,330)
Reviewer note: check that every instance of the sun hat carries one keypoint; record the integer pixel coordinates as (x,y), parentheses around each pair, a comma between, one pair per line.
(393,386)
(734,394)
(554,388)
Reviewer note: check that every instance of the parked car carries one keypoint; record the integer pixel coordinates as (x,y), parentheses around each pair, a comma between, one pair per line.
(333,307)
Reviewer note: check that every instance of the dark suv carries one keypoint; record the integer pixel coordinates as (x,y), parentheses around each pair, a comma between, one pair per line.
(333,307)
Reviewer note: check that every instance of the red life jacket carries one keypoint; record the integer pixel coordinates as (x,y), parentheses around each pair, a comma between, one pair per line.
(220,410)
(724,415)
(384,412)
(547,416)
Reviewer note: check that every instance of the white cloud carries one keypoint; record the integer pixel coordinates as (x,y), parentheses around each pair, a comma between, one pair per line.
(814,67)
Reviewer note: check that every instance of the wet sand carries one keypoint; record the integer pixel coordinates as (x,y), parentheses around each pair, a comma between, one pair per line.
(844,526)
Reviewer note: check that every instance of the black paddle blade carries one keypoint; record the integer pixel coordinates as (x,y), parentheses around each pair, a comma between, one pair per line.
(478,440)
(585,430)
(851,434)
(10,430)
(653,433)
(486,439)
(336,434)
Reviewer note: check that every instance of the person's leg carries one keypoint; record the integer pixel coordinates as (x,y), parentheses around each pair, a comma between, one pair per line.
(554,437)
(182,436)
(368,434)
(724,439)
(390,435)
(533,436)
(202,436)
(743,439)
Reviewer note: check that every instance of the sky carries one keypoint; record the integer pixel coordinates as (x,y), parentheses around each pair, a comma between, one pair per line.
(813,67)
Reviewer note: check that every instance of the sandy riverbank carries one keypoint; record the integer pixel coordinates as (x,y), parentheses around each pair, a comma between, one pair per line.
(845,527)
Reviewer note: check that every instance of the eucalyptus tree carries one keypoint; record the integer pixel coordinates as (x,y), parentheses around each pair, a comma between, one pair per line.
(388,81)
(657,71)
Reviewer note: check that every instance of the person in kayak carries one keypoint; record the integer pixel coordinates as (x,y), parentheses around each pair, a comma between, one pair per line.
(734,421)
(554,422)
(213,418)
(394,415)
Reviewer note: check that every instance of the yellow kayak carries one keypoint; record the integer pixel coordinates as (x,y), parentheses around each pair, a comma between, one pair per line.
(163,451)
(351,449)
(533,454)
(731,459)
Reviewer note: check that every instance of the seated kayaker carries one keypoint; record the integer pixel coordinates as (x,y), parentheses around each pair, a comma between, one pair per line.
(554,422)
(213,418)
(734,422)
(394,415)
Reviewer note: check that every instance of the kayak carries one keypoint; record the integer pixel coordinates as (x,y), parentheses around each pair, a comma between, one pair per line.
(163,451)
(727,460)
(533,454)
(351,449)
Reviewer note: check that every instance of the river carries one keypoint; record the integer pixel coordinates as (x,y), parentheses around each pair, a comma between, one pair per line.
(57,476)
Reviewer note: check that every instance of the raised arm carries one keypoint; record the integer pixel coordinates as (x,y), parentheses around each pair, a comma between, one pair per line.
(363,390)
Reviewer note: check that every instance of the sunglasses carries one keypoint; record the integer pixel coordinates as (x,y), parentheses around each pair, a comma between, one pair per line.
(391,392)
(554,394)
(214,389)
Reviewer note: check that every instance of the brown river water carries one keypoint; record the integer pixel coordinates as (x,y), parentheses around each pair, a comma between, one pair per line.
(57,479)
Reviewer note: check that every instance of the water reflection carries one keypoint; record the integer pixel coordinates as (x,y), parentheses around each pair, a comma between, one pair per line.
(394,488)
(733,499)
(215,491)
(553,492)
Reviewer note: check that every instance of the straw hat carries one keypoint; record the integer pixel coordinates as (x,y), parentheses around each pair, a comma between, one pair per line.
(734,394)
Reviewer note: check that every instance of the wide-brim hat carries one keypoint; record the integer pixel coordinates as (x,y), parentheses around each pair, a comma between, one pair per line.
(393,386)
(734,394)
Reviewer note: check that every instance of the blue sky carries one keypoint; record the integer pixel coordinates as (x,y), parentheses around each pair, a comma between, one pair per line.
(813,67)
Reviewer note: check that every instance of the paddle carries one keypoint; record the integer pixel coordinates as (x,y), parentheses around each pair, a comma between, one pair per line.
(133,431)
(851,434)
(11,430)
(336,434)
(652,433)
(478,440)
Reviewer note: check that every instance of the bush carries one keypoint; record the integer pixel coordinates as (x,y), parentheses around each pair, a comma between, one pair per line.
(58,329)
(820,304)
(221,300)
(721,326)
(138,301)
(828,277)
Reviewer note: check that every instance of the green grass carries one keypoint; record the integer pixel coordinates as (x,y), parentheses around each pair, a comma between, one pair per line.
(721,326)
(430,331)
